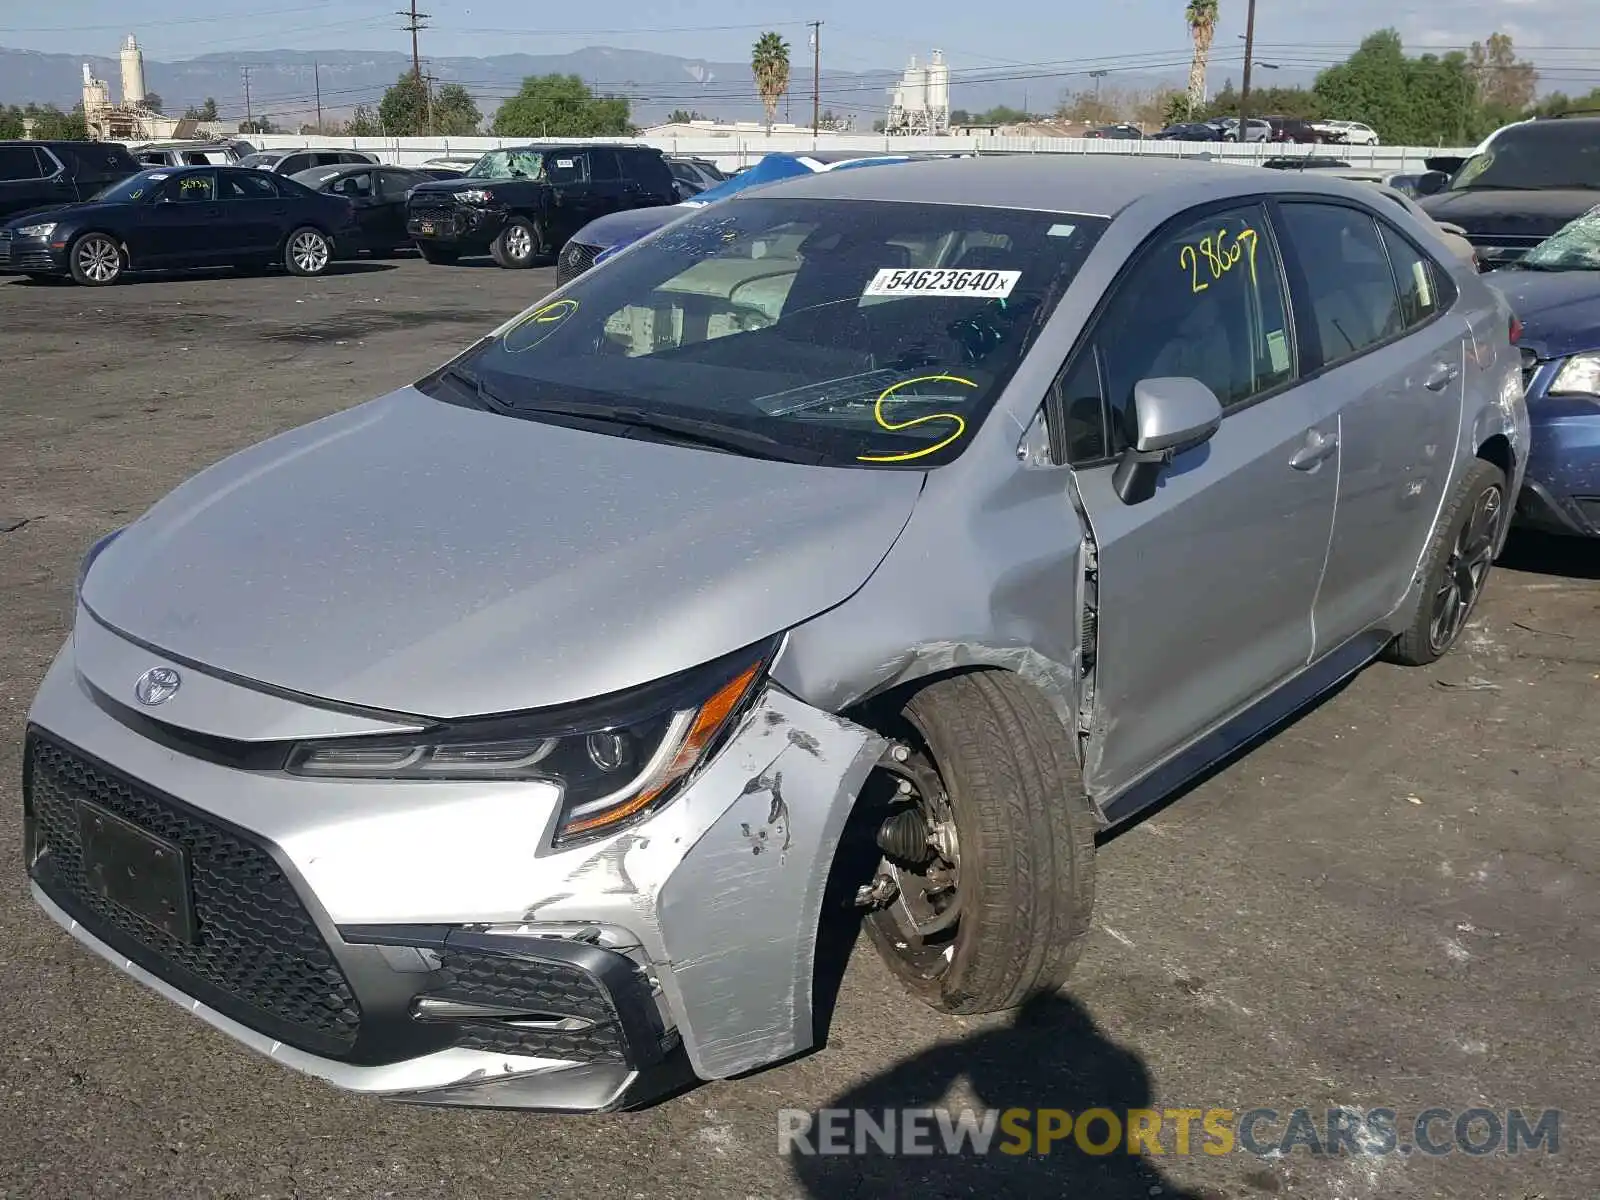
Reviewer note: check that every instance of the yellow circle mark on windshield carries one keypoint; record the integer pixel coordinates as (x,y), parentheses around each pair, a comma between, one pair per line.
(549,315)
(893,427)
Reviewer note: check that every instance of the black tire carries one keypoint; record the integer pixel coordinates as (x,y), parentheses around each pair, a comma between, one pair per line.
(520,245)
(436,255)
(307,251)
(1459,557)
(1025,857)
(96,260)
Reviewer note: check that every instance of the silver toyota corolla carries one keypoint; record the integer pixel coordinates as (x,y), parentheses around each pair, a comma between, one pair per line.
(860,546)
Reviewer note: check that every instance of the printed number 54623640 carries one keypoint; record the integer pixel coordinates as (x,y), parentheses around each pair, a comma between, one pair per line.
(1219,254)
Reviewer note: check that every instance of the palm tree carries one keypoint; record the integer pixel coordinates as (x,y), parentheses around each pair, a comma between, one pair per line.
(1202,18)
(769,62)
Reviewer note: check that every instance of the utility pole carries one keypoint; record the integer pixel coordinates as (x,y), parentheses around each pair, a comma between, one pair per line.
(249,117)
(414,22)
(1244,86)
(816,77)
(428,82)
(316,74)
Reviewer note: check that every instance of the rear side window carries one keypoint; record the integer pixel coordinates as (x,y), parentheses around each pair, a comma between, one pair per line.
(1205,300)
(296,163)
(649,170)
(19,163)
(254,185)
(603,166)
(1420,279)
(351,157)
(1354,302)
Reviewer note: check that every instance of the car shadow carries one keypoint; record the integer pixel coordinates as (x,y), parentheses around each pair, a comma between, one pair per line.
(1534,553)
(1051,1055)
(355,267)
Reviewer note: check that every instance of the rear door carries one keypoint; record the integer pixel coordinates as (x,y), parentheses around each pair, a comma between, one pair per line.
(1205,589)
(253,214)
(649,179)
(1388,349)
(390,213)
(24,183)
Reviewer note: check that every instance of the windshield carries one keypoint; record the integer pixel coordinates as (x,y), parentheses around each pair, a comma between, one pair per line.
(133,188)
(856,333)
(509,164)
(1574,247)
(1537,156)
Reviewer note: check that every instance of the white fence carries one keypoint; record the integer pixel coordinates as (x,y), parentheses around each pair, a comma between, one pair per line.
(734,151)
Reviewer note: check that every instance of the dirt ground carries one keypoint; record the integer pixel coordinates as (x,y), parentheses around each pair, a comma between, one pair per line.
(1391,904)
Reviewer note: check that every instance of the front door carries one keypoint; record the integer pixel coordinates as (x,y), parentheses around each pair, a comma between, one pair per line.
(574,200)
(1206,589)
(1391,356)
(182,226)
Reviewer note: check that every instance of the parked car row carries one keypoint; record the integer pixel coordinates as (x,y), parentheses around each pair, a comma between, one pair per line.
(1270,129)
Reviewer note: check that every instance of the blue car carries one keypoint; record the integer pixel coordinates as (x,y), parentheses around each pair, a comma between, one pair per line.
(604,236)
(1555,292)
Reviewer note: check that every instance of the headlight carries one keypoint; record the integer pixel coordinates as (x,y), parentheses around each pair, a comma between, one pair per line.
(615,759)
(36,231)
(476,196)
(94,553)
(1579,376)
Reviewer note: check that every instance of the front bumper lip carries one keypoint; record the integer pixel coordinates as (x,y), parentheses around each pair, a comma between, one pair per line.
(450,1076)
(32,255)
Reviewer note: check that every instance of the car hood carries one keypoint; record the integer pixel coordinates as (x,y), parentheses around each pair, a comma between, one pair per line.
(461,184)
(619,228)
(419,557)
(1559,310)
(1490,212)
(56,212)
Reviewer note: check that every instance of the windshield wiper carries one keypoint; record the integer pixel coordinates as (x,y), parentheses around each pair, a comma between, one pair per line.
(484,394)
(691,430)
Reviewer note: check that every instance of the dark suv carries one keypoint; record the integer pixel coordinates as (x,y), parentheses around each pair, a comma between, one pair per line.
(521,204)
(41,175)
(1525,183)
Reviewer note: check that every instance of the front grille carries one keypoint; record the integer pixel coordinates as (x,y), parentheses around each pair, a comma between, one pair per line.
(576,258)
(258,956)
(532,986)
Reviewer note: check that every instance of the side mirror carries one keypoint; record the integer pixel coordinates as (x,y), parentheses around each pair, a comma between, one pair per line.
(1431,183)
(1171,414)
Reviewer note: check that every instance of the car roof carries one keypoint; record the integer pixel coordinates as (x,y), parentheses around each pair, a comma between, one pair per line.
(1088,184)
(551,147)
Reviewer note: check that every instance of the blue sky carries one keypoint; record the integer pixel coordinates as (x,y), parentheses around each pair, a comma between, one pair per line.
(856,35)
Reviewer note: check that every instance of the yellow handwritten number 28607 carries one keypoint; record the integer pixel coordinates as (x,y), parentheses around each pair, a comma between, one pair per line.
(1220,255)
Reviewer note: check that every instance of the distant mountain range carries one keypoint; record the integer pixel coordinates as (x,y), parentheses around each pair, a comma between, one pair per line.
(283,83)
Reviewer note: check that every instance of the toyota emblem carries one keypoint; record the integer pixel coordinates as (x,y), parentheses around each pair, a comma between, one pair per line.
(157,686)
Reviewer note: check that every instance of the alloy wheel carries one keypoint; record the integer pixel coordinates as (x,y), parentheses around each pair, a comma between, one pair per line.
(1465,570)
(519,243)
(99,258)
(310,252)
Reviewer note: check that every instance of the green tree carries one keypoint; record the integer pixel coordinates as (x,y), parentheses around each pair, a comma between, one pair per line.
(561,106)
(405,111)
(1504,85)
(769,63)
(154,102)
(1409,101)
(364,122)
(10,121)
(679,116)
(1557,103)
(259,125)
(1201,17)
(204,112)
(50,123)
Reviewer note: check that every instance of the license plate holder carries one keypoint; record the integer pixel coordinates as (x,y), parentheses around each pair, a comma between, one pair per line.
(427,228)
(142,874)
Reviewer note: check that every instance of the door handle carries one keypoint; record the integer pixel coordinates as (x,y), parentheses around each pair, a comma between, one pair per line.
(1441,377)
(213,212)
(1318,446)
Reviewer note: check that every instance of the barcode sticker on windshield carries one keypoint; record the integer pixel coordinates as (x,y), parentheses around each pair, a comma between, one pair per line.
(943,281)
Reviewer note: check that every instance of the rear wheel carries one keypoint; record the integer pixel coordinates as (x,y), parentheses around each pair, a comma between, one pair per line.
(307,252)
(519,245)
(1455,567)
(96,260)
(987,882)
(436,255)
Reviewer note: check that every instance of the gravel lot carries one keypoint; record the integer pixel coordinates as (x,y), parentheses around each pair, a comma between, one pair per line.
(1392,903)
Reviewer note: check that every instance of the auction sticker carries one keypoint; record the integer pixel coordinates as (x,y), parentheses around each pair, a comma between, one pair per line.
(943,281)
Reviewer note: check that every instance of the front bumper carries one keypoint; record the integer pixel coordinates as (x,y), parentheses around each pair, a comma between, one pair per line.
(33,256)
(1561,492)
(454,226)
(423,942)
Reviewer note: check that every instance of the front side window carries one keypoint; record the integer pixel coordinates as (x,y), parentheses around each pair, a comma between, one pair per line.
(1354,301)
(295,163)
(856,333)
(1204,301)
(566,168)
(199,187)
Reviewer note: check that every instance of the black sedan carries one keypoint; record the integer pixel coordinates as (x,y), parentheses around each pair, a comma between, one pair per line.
(379,196)
(172,218)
